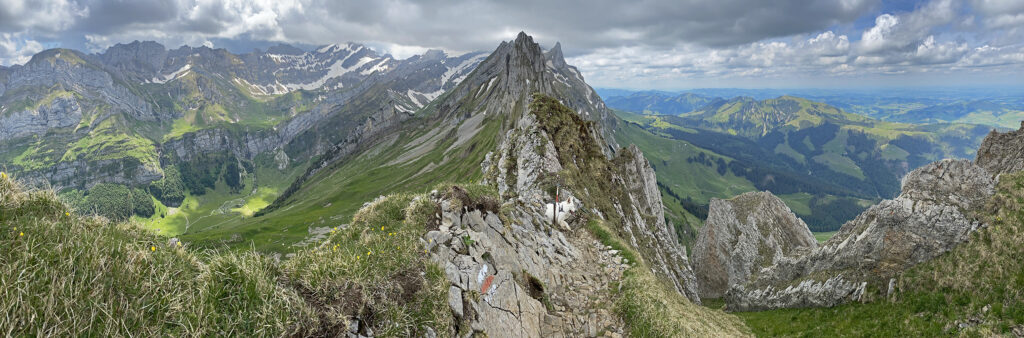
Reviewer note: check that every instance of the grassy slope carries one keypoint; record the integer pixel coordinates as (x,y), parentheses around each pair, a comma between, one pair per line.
(692,179)
(332,196)
(63,274)
(650,309)
(668,156)
(934,296)
(221,206)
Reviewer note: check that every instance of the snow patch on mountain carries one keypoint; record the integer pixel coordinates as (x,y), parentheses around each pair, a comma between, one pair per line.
(471,62)
(380,67)
(172,76)
(337,69)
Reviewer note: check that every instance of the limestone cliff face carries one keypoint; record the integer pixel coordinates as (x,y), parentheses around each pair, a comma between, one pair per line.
(1002,152)
(742,237)
(62,112)
(645,224)
(932,214)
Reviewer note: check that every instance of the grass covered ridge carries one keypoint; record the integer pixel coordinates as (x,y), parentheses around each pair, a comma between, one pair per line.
(66,275)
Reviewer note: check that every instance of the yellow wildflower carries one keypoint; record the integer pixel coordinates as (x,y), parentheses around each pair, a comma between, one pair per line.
(381,228)
(368,253)
(21,234)
(152,248)
(179,243)
(67,213)
(3,174)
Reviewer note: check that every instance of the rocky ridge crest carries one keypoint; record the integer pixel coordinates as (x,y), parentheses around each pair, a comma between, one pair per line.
(932,214)
(744,235)
(1002,152)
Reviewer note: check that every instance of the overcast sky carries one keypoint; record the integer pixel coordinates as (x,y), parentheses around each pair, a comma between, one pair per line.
(653,44)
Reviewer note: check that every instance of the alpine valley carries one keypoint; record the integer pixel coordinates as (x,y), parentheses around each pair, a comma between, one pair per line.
(334,191)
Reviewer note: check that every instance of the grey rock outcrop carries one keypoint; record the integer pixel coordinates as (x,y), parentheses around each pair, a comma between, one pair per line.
(644,222)
(742,236)
(528,155)
(522,278)
(61,112)
(1002,152)
(932,214)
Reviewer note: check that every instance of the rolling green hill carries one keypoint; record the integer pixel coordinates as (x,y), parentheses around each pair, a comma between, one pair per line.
(689,176)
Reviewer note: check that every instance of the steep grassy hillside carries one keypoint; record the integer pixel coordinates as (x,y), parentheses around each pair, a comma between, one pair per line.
(976,289)
(650,309)
(427,152)
(64,274)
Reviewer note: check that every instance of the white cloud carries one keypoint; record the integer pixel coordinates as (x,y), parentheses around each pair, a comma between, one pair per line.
(1001,13)
(17,49)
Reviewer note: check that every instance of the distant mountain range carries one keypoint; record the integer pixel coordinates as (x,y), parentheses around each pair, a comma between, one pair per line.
(825,162)
(997,107)
(124,116)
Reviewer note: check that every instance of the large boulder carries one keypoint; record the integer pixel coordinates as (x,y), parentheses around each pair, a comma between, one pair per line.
(932,214)
(742,236)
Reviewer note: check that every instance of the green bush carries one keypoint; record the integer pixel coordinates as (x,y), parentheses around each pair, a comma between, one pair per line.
(142,204)
(170,190)
(113,201)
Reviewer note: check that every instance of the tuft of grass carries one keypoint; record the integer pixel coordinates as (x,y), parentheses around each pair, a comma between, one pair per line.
(67,275)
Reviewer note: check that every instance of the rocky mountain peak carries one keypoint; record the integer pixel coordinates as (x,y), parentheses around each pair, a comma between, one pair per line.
(949,182)
(555,56)
(744,235)
(1002,152)
(434,54)
(146,57)
(506,81)
(285,49)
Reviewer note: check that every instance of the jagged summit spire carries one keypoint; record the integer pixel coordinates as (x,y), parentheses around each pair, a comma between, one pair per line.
(555,56)
(522,36)
(516,70)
